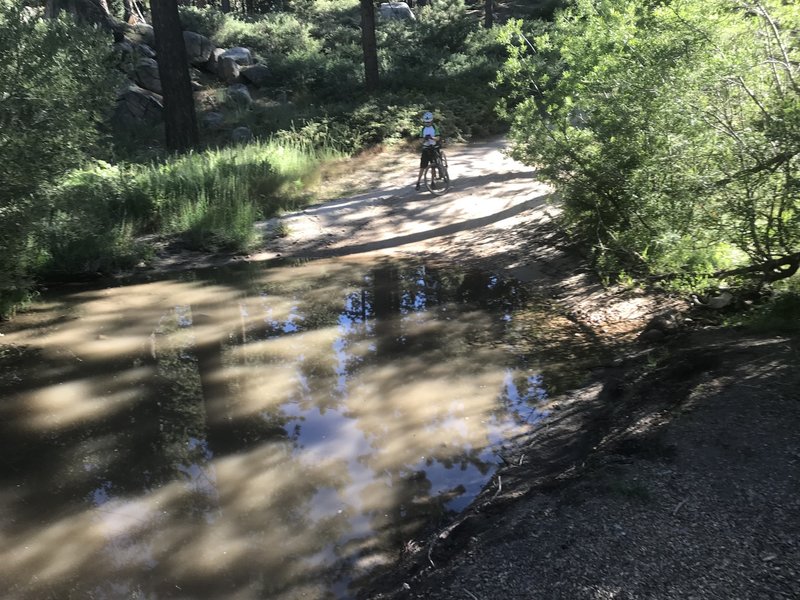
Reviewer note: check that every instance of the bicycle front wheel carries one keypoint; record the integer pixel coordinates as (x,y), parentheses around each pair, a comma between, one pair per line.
(436,179)
(443,160)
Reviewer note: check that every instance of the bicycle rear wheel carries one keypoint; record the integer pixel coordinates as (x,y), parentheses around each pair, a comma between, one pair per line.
(436,178)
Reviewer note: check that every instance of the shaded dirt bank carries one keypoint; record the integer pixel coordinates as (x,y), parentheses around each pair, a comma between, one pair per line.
(674,476)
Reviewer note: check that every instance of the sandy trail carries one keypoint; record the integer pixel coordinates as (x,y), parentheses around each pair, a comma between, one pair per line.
(491,194)
(497,216)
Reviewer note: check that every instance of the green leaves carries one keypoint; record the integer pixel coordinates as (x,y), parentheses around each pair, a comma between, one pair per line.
(55,87)
(665,121)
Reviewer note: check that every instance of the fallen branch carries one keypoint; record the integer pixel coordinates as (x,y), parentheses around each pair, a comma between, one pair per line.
(499,487)
(680,504)
(772,269)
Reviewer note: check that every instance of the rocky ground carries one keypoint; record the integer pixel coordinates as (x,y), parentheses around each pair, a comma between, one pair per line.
(673,477)
(674,474)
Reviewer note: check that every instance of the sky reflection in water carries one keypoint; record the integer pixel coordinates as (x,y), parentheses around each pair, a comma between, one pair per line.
(254,432)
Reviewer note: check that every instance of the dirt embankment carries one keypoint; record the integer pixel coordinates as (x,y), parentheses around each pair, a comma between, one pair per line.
(671,479)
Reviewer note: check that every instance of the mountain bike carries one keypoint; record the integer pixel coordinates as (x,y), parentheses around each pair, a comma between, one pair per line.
(436,177)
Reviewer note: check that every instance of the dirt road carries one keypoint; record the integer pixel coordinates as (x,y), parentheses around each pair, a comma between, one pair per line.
(491,195)
(497,215)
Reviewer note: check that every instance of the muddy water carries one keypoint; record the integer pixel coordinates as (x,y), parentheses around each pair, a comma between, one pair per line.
(269,431)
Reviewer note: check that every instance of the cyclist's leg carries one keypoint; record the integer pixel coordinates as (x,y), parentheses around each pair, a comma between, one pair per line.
(441,172)
(430,177)
(424,165)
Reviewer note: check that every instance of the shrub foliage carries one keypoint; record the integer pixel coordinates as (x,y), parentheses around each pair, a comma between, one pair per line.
(56,84)
(671,129)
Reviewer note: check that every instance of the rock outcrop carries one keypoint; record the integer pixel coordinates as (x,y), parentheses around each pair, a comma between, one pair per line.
(140,102)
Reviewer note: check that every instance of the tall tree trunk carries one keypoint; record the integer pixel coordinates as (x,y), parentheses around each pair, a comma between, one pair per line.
(489,13)
(180,120)
(386,306)
(52,8)
(226,6)
(369,44)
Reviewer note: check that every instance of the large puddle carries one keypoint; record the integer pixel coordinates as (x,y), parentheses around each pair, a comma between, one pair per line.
(268,431)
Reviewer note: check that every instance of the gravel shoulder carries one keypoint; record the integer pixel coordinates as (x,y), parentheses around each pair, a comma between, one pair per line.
(673,474)
(672,480)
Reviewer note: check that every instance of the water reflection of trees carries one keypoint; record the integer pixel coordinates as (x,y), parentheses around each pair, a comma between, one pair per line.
(410,307)
(389,314)
(218,459)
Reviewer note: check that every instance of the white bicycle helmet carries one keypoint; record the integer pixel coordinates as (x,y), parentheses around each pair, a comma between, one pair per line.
(427,117)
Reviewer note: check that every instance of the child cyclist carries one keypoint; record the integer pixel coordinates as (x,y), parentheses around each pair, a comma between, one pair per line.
(429,134)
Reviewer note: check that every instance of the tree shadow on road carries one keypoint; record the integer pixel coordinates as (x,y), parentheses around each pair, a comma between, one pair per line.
(320,249)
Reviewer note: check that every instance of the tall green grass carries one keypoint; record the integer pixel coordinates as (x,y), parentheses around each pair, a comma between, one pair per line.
(208,200)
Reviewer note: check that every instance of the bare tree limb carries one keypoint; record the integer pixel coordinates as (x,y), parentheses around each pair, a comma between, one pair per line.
(770,164)
(773,270)
(776,34)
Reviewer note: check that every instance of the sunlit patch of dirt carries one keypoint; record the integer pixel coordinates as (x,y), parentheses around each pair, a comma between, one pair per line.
(365,171)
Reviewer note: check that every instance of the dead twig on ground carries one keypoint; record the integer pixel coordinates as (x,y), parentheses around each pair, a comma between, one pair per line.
(680,504)
(499,487)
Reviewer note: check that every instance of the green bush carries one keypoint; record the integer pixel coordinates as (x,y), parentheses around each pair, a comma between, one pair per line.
(413,54)
(444,25)
(90,224)
(780,315)
(56,84)
(665,128)
(272,35)
(313,59)
(205,21)
(444,59)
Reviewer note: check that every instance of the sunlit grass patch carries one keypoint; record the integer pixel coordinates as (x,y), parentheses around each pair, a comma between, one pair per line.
(210,199)
(214,198)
